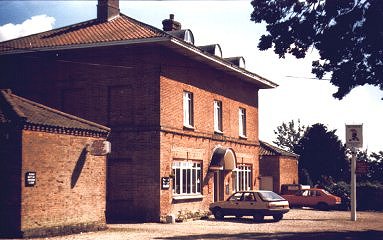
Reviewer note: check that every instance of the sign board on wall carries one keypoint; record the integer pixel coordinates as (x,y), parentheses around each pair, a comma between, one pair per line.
(30,179)
(354,136)
(165,183)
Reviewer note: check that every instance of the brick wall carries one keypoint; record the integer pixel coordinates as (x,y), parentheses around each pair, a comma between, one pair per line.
(70,190)
(178,143)
(289,175)
(137,92)
(10,185)
(283,169)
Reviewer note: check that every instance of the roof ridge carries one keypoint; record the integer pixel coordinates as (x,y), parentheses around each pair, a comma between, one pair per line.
(67,115)
(145,25)
(276,149)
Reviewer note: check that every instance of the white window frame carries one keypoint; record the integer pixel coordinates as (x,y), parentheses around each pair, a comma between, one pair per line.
(217,116)
(242,122)
(188,109)
(187,178)
(241,178)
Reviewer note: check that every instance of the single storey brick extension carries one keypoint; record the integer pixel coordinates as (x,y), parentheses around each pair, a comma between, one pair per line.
(184,120)
(49,182)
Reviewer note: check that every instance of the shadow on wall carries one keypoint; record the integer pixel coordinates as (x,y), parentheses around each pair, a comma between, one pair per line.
(78,168)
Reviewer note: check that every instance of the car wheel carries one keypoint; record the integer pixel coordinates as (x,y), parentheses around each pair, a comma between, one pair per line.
(218,214)
(323,206)
(258,218)
(278,217)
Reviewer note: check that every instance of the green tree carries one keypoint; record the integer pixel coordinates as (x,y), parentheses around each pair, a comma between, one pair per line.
(322,154)
(346,33)
(289,134)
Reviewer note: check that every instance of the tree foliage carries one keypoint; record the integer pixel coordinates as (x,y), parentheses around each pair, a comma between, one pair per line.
(288,135)
(347,34)
(322,154)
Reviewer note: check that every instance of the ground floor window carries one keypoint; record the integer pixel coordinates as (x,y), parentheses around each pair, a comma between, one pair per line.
(187,177)
(242,178)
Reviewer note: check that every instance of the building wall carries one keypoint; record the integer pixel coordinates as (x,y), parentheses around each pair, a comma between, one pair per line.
(179,143)
(10,185)
(289,175)
(70,190)
(269,166)
(137,92)
(283,169)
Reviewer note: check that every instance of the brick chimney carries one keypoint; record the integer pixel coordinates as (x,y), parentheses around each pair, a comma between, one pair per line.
(107,10)
(170,24)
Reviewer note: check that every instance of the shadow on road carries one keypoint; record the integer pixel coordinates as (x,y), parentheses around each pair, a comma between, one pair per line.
(360,235)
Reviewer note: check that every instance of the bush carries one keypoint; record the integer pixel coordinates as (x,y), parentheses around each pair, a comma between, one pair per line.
(368,195)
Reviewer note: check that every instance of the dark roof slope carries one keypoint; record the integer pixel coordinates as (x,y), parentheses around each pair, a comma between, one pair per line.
(15,109)
(88,32)
(267,149)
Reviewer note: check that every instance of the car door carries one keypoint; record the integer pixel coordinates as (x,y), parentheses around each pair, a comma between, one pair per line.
(248,204)
(233,205)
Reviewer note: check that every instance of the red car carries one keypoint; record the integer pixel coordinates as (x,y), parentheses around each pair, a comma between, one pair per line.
(313,197)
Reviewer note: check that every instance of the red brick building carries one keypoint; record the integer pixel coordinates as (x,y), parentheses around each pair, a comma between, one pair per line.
(184,120)
(49,182)
(277,167)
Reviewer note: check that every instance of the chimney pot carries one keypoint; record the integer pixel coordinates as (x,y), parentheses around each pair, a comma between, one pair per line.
(170,24)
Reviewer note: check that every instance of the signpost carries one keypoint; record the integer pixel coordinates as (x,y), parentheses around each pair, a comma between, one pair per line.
(354,139)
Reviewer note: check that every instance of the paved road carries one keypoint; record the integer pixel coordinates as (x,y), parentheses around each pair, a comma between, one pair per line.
(298,224)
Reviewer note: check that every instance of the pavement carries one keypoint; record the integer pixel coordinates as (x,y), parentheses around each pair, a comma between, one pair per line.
(298,224)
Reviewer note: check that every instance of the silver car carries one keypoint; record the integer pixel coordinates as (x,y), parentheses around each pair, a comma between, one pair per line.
(251,203)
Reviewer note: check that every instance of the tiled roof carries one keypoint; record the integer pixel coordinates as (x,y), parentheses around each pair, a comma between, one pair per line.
(120,30)
(90,32)
(267,149)
(20,110)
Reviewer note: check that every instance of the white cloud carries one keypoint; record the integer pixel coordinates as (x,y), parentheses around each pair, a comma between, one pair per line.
(30,26)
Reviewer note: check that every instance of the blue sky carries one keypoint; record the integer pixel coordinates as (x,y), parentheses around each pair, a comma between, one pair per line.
(228,24)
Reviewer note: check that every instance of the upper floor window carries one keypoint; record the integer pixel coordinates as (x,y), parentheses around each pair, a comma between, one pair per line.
(242,122)
(218,116)
(188,109)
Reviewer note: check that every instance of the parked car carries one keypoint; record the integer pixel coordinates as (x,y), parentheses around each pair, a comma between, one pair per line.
(251,203)
(313,197)
(291,189)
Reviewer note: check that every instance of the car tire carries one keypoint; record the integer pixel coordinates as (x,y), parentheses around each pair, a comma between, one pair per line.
(278,217)
(258,218)
(218,214)
(323,206)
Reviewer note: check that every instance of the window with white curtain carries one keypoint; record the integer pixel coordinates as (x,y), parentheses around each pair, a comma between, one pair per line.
(217,116)
(242,122)
(188,109)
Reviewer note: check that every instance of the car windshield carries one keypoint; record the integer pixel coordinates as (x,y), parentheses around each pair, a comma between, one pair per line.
(269,196)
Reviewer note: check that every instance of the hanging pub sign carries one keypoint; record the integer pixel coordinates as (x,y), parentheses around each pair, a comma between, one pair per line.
(354,136)
(30,179)
(165,182)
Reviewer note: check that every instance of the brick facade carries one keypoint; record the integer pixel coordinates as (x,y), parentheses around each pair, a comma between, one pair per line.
(137,92)
(283,169)
(69,194)
(70,189)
